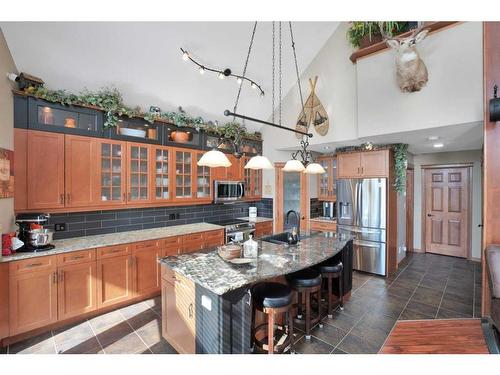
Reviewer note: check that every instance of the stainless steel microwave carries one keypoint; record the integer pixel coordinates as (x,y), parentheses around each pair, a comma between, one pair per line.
(228,191)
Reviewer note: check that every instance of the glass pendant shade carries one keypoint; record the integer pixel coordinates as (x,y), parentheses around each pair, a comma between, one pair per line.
(214,158)
(314,168)
(259,162)
(294,166)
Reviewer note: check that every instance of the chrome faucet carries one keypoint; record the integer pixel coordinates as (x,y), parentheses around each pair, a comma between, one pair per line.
(297,217)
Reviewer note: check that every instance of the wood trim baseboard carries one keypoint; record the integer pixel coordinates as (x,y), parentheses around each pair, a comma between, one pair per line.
(419,251)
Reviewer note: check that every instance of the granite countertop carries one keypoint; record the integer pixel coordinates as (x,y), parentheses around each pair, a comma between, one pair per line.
(91,242)
(256,219)
(210,271)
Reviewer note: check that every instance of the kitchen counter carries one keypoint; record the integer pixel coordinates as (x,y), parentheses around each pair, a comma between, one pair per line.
(211,272)
(91,242)
(256,219)
(323,219)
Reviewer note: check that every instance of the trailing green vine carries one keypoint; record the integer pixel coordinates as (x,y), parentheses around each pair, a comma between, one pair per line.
(400,160)
(110,101)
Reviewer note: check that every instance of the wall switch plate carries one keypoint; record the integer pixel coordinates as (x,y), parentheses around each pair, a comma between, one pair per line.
(61,227)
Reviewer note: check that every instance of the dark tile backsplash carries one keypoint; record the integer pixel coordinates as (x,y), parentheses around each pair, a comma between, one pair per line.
(316,207)
(80,224)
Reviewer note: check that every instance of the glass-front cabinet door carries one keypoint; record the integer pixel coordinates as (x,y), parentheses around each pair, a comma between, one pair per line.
(183,183)
(333,179)
(111,159)
(138,172)
(327,181)
(257,183)
(161,170)
(203,181)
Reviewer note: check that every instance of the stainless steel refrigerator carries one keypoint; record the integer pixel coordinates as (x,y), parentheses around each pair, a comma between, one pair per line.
(362,213)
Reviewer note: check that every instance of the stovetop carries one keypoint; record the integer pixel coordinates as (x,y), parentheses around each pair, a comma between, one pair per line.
(234,225)
(229,222)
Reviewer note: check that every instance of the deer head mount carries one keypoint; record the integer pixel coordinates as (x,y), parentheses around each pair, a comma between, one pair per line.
(411,72)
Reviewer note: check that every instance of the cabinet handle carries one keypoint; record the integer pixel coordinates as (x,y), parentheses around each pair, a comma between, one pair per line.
(68,198)
(190,310)
(78,257)
(61,276)
(61,198)
(129,196)
(34,265)
(362,168)
(54,277)
(124,196)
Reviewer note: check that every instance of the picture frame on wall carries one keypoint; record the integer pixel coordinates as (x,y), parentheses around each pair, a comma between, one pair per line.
(6,173)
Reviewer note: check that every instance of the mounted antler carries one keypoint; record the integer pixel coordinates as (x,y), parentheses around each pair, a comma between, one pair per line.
(411,72)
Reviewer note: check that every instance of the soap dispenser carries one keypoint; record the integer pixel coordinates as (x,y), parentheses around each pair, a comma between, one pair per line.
(250,248)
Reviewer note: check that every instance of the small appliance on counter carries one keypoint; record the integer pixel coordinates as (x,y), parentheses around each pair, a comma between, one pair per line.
(252,213)
(329,210)
(32,233)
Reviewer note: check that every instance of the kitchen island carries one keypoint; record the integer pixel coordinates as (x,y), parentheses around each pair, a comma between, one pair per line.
(206,301)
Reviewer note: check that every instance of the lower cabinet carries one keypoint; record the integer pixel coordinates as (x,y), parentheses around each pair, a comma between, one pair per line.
(114,280)
(32,300)
(146,273)
(76,290)
(263,229)
(178,313)
(192,243)
(323,225)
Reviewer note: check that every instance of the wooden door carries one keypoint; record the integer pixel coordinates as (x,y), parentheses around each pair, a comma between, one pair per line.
(146,274)
(45,170)
(32,300)
(82,189)
(20,166)
(77,289)
(375,163)
(183,173)
(138,173)
(110,159)
(410,191)
(114,280)
(160,174)
(447,210)
(203,180)
(178,314)
(349,165)
(4,298)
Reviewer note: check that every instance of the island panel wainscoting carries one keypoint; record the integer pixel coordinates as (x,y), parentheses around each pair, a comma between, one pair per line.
(207,302)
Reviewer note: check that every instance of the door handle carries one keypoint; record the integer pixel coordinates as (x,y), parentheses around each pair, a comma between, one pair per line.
(429,215)
(61,198)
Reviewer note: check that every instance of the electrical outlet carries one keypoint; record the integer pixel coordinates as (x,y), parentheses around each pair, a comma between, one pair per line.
(171,217)
(60,227)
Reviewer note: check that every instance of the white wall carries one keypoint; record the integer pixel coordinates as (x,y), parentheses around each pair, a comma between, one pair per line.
(450,158)
(452,96)
(6,126)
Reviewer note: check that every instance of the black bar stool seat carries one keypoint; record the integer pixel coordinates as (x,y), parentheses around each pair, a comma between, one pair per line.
(307,282)
(271,299)
(332,270)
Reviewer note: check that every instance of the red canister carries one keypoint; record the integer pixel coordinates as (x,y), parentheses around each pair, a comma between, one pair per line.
(6,244)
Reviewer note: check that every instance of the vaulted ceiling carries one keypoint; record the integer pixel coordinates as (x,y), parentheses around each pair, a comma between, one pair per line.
(144,62)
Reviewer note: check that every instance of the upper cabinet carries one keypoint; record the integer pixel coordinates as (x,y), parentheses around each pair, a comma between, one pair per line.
(183,174)
(111,167)
(232,173)
(363,164)
(162,159)
(253,181)
(203,180)
(327,190)
(138,172)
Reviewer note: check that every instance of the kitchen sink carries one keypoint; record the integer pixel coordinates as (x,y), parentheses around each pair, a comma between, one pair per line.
(279,238)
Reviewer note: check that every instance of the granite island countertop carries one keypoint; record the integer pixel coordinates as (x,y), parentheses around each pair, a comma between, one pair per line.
(102,240)
(210,271)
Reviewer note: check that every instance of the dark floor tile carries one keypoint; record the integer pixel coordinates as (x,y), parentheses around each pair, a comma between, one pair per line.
(113,334)
(154,303)
(448,314)
(329,333)
(41,344)
(143,318)
(341,320)
(353,344)
(466,299)
(390,305)
(73,336)
(414,315)
(427,296)
(102,322)
(128,344)
(401,290)
(338,351)
(134,310)
(422,308)
(437,284)
(163,347)
(313,346)
(450,304)
(356,309)
(89,346)
(3,349)
(151,333)
(374,328)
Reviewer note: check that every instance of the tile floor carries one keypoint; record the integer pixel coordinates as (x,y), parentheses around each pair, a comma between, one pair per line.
(426,286)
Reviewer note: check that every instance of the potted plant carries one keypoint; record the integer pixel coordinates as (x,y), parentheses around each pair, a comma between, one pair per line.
(365,34)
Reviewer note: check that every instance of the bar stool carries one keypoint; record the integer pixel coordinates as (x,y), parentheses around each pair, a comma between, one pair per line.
(272,299)
(307,282)
(330,271)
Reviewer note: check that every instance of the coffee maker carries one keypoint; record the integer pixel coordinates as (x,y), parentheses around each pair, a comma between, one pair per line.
(329,210)
(32,233)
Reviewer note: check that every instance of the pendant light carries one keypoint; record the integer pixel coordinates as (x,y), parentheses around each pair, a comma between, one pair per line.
(214,158)
(259,162)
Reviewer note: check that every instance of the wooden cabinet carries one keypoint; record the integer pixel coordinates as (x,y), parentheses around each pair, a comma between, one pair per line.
(183,175)
(213,239)
(162,158)
(45,170)
(178,313)
(203,180)
(232,173)
(327,190)
(323,225)
(363,164)
(32,294)
(146,269)
(263,229)
(114,280)
(172,245)
(138,172)
(111,166)
(192,242)
(4,298)
(76,289)
(253,181)
(20,172)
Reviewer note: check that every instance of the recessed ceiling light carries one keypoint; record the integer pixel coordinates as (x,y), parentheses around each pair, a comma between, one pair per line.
(433,138)
(437,145)
(326,147)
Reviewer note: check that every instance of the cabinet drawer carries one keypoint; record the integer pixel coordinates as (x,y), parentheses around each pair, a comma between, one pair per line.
(34,264)
(213,238)
(214,234)
(317,225)
(113,251)
(145,245)
(172,245)
(76,257)
(192,242)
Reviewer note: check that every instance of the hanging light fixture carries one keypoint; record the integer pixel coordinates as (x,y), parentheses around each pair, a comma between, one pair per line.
(214,158)
(259,162)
